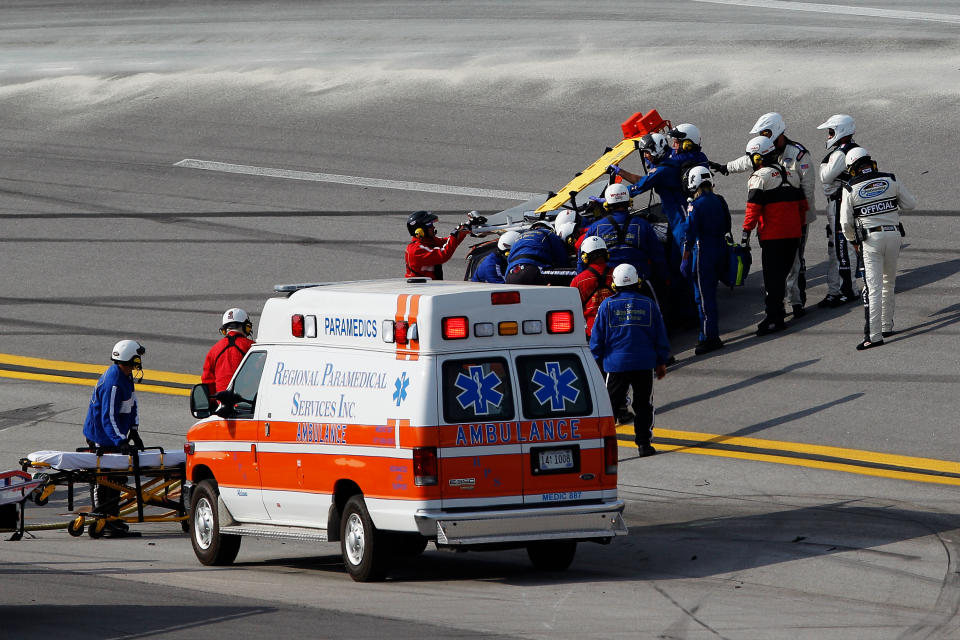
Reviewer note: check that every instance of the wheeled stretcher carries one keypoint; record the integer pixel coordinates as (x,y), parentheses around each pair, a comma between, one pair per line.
(149,478)
(15,488)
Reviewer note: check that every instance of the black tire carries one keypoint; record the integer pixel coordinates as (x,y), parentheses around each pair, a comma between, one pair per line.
(75,528)
(96,528)
(407,544)
(364,548)
(210,547)
(552,555)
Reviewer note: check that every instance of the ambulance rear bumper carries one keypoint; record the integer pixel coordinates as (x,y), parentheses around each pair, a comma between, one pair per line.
(573,522)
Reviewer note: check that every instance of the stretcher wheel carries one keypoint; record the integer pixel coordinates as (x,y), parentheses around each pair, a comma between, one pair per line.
(365,550)
(42,493)
(210,547)
(95,530)
(75,528)
(552,555)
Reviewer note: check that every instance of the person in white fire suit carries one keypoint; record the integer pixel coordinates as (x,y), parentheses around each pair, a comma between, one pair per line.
(870,220)
(841,270)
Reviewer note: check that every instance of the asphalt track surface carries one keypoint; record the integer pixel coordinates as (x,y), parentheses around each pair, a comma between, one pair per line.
(804,490)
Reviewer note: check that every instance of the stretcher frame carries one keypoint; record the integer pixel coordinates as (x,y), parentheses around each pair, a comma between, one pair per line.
(16,487)
(152,486)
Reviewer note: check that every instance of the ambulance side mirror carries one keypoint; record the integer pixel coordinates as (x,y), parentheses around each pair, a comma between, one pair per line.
(200,402)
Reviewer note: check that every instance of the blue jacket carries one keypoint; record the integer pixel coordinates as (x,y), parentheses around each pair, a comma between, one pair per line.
(629,334)
(640,247)
(540,246)
(708,221)
(666,179)
(113,409)
(491,269)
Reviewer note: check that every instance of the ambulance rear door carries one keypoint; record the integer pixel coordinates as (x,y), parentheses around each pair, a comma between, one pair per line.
(480,457)
(561,428)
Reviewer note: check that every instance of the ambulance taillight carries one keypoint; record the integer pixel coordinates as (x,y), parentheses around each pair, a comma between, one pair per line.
(559,322)
(297,325)
(610,455)
(425,466)
(189,448)
(455,327)
(505,297)
(400,328)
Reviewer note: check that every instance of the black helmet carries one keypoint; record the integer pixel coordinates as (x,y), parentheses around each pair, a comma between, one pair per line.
(418,220)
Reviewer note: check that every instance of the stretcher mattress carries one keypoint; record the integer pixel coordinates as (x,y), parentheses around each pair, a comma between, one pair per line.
(77,460)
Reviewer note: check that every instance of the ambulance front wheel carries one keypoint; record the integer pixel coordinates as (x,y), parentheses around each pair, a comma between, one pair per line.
(209,545)
(551,555)
(364,548)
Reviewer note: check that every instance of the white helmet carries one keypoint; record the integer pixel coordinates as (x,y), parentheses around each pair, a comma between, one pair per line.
(856,154)
(128,352)
(236,316)
(506,241)
(616,193)
(625,275)
(697,176)
(842,126)
(566,230)
(593,243)
(563,218)
(758,148)
(655,144)
(686,132)
(769,123)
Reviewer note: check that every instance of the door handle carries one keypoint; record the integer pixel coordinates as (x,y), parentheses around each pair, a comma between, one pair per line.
(253,450)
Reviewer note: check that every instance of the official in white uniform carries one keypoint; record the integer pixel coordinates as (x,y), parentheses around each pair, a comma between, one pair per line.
(870,220)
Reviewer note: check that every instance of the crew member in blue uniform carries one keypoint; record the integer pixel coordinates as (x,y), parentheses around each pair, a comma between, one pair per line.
(493,268)
(538,248)
(705,252)
(112,421)
(629,342)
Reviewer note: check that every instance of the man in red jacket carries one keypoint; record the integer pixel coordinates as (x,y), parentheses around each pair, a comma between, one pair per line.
(777,205)
(224,357)
(595,283)
(426,253)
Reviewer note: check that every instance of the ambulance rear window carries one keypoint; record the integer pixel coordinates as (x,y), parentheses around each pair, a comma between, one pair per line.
(477,389)
(553,385)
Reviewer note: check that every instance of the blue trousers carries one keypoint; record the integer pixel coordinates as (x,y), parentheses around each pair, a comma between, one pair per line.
(706,262)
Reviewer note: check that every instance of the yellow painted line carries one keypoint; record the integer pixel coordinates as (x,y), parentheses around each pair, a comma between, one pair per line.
(801,462)
(837,452)
(80,367)
(931,464)
(88,382)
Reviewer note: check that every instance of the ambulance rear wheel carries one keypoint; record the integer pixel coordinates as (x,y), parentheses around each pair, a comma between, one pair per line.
(364,549)
(551,555)
(75,528)
(210,547)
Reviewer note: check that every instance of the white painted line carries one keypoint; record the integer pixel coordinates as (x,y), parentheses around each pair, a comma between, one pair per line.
(896,14)
(210,165)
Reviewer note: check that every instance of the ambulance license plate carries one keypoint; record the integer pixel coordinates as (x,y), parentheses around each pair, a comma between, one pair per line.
(556,459)
(544,460)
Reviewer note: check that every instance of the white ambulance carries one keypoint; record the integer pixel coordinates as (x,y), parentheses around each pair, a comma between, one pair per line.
(386,414)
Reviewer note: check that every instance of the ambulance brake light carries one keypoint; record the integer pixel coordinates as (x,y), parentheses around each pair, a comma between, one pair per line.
(297,325)
(610,455)
(559,322)
(189,448)
(400,331)
(425,466)
(455,327)
(505,297)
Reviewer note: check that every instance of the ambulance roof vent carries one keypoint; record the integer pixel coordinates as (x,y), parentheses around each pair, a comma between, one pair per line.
(292,288)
